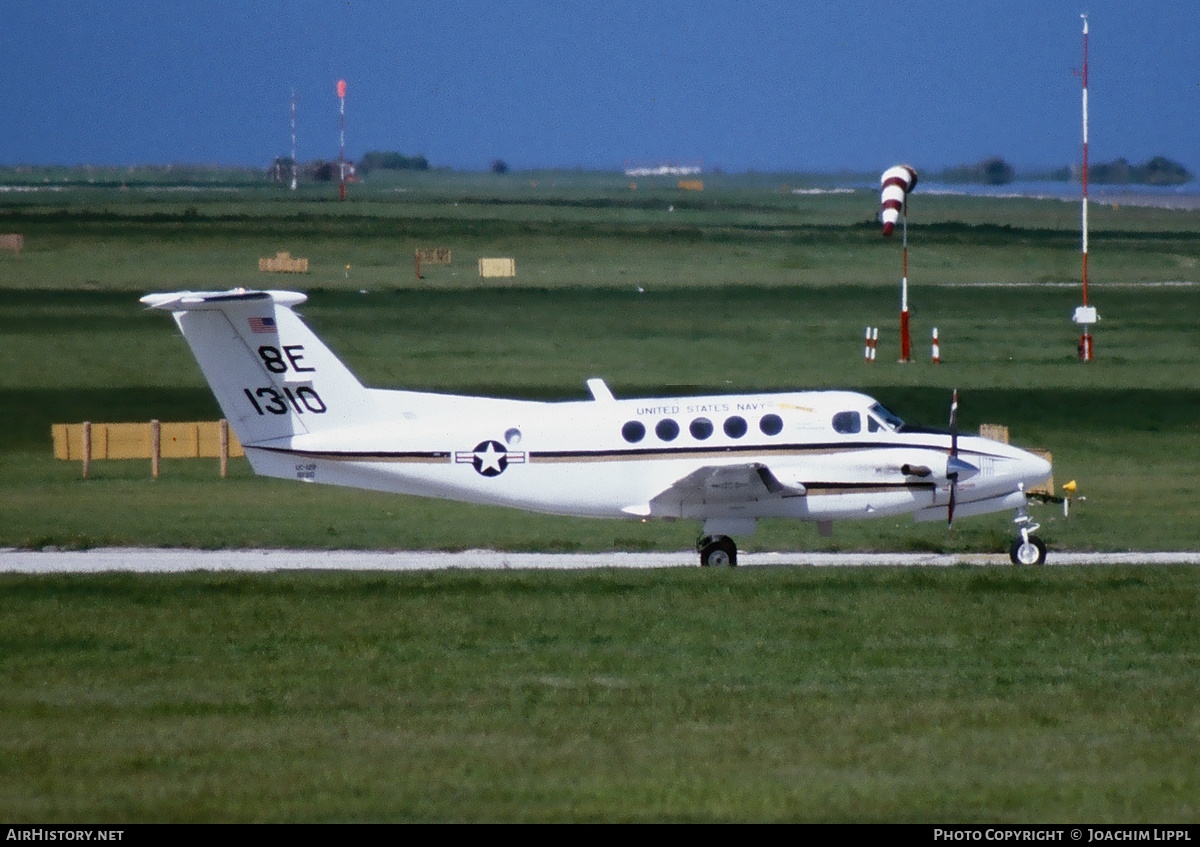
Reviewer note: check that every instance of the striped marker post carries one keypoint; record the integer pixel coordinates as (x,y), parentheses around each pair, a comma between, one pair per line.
(937,352)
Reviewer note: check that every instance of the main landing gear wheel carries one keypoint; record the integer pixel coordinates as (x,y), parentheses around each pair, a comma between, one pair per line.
(1028,551)
(717,551)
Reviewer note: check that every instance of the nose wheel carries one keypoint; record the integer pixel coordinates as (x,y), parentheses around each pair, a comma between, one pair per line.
(717,551)
(1028,549)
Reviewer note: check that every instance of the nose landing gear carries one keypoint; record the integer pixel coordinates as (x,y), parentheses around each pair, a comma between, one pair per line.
(1028,549)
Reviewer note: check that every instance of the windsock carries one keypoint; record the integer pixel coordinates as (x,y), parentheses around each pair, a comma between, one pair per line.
(896,182)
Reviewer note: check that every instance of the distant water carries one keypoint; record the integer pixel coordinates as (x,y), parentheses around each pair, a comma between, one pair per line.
(1186,196)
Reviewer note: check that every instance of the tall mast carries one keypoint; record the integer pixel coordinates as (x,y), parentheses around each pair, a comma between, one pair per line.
(1085,158)
(341,90)
(1085,315)
(293,139)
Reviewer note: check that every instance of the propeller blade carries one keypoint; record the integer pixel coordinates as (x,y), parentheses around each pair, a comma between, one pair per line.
(954,423)
(953,464)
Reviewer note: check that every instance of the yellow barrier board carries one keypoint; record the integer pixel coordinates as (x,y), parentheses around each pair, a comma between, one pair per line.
(433,255)
(208,441)
(283,263)
(691,184)
(122,441)
(996,432)
(197,440)
(180,441)
(497,267)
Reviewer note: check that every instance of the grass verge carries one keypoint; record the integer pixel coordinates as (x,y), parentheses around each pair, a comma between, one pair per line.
(959,695)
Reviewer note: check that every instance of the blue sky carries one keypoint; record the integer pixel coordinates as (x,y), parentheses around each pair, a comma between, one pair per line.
(768,86)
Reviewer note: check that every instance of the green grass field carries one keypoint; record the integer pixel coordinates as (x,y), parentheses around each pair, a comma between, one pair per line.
(949,695)
(955,695)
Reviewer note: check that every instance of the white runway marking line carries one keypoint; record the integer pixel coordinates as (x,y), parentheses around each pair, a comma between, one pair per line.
(146,560)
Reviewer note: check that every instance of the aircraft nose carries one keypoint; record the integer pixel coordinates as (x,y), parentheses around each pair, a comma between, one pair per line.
(1035,469)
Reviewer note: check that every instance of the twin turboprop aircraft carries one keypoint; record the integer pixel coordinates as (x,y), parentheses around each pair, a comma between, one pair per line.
(726,461)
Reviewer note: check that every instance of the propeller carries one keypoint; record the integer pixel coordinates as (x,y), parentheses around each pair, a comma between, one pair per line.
(952,461)
(955,467)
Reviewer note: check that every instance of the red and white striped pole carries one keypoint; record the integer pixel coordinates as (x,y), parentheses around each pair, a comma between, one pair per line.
(937,350)
(1085,343)
(293,139)
(896,183)
(1085,158)
(905,343)
(1085,315)
(341,90)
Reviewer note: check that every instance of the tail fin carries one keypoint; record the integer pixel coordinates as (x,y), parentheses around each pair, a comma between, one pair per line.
(272,377)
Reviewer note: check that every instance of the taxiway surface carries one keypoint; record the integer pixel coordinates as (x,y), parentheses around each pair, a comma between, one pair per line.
(147,560)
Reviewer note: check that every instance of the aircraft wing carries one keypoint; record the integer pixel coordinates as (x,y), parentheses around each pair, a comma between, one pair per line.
(720,485)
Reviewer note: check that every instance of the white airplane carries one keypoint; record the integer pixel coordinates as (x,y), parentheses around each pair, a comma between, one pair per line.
(819,456)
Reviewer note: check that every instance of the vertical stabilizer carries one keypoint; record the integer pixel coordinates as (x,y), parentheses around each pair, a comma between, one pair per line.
(272,377)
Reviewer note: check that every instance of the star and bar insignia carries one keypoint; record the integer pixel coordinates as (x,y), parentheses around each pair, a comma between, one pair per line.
(489,458)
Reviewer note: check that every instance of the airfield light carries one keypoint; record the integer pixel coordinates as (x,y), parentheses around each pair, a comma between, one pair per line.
(1085,315)
(896,183)
(341,91)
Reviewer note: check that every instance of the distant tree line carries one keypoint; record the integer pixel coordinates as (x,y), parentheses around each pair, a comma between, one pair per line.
(993,171)
(384,160)
(996,171)
(172,174)
(318,170)
(1157,171)
(321,170)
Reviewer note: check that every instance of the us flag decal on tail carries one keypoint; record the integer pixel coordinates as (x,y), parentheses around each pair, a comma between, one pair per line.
(262,326)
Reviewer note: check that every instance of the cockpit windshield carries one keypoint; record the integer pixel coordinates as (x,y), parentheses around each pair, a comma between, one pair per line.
(888,418)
